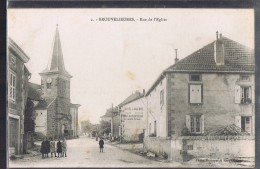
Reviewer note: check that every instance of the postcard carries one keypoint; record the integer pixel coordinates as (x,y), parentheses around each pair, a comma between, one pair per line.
(114,87)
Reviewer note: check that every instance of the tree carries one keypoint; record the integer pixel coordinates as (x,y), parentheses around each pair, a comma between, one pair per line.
(86,126)
(105,127)
(29,124)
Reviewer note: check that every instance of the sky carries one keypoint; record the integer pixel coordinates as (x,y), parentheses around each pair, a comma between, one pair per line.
(111,60)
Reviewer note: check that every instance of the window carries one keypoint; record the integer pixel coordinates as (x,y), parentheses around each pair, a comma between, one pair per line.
(195,123)
(150,128)
(161,97)
(13,60)
(244,122)
(195,77)
(48,85)
(244,94)
(244,78)
(195,93)
(12,82)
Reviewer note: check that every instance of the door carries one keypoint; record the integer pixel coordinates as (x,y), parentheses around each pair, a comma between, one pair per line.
(13,134)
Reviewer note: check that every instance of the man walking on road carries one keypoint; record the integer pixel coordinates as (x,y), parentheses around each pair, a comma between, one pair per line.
(101,144)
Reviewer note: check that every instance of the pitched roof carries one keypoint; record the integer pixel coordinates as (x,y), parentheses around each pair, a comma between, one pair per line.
(34,91)
(131,98)
(56,61)
(109,112)
(20,53)
(238,58)
(44,104)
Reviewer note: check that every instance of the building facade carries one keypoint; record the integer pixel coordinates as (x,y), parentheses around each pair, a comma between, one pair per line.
(18,76)
(55,86)
(133,118)
(204,92)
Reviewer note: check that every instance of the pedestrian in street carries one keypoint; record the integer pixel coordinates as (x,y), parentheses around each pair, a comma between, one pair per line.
(43,148)
(47,147)
(101,145)
(64,147)
(53,147)
(59,148)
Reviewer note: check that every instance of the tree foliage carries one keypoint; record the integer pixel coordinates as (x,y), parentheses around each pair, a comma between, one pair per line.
(86,126)
(29,124)
(105,127)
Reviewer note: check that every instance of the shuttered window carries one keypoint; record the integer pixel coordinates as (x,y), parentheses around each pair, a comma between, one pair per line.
(195,93)
(244,94)
(195,123)
(12,85)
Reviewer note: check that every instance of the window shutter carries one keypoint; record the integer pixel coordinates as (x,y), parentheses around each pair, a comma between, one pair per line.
(195,94)
(202,124)
(253,125)
(252,92)
(237,94)
(238,121)
(188,121)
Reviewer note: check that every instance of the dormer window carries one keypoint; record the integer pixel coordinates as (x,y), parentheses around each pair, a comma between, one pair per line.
(195,77)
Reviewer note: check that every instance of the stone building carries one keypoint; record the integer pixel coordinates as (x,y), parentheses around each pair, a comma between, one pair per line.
(133,117)
(18,76)
(56,116)
(209,89)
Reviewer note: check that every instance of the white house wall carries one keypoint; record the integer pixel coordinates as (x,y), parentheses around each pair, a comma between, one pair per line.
(134,119)
(41,121)
(157,111)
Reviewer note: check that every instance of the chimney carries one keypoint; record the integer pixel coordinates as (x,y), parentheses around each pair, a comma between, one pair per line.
(219,53)
(217,35)
(176,57)
(143,91)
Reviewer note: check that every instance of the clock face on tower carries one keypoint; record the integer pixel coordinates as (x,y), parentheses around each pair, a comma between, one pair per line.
(49,80)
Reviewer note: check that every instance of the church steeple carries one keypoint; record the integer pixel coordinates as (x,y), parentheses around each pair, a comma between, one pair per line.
(56,62)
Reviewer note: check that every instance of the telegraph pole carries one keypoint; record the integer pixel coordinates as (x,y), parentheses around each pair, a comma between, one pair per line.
(112,127)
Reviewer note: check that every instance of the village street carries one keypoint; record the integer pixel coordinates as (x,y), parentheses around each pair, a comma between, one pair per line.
(84,152)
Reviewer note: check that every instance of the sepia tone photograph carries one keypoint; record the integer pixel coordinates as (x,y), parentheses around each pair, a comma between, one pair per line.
(130,88)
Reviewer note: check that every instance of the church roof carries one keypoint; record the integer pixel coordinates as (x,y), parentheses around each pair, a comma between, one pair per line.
(44,104)
(56,61)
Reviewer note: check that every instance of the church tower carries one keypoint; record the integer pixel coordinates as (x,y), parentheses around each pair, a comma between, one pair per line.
(55,85)
(55,80)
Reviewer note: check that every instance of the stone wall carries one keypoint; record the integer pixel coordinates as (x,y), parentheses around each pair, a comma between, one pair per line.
(63,116)
(158,145)
(185,148)
(52,120)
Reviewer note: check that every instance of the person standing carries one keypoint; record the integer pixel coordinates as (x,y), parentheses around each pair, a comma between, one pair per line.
(101,145)
(64,147)
(43,148)
(59,148)
(47,147)
(53,147)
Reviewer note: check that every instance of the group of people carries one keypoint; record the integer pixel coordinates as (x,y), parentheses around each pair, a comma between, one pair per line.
(50,146)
